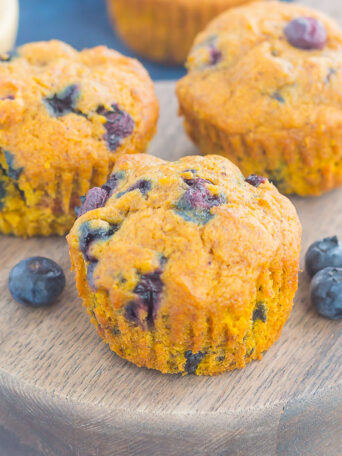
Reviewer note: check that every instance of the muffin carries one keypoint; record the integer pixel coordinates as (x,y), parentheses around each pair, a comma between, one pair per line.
(65,117)
(164,30)
(264,88)
(186,267)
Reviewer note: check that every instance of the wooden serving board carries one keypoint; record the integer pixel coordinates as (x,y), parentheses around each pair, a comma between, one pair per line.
(64,393)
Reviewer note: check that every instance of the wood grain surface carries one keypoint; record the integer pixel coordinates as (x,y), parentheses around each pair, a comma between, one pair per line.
(63,393)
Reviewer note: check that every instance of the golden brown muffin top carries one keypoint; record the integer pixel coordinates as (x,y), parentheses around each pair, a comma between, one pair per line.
(244,73)
(205,230)
(63,111)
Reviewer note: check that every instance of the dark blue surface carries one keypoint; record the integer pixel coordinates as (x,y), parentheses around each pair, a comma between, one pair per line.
(81,23)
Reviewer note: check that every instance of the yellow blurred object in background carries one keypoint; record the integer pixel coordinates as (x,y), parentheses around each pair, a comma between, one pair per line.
(164,30)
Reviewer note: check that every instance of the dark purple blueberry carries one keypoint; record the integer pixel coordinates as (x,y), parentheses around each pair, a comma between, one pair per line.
(260,312)
(192,361)
(95,198)
(148,290)
(196,203)
(98,196)
(143,185)
(112,182)
(326,293)
(36,281)
(306,33)
(215,55)
(323,253)
(133,312)
(255,180)
(119,125)
(64,102)
(88,235)
(12,172)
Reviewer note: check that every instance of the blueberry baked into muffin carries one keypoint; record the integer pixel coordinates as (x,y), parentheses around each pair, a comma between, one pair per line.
(186,267)
(65,116)
(164,30)
(264,88)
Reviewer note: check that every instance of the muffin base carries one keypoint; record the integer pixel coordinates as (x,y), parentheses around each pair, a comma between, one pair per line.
(206,340)
(27,210)
(303,162)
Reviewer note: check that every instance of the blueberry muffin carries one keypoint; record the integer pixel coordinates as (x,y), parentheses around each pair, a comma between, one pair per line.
(264,88)
(163,30)
(186,267)
(65,116)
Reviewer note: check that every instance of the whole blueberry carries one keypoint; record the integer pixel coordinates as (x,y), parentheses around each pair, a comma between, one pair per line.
(323,253)
(306,33)
(326,293)
(36,281)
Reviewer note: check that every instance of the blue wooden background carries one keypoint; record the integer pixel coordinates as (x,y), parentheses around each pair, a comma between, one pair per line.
(81,23)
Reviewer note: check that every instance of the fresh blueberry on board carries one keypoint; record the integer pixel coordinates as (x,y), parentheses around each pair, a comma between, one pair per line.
(323,253)
(306,33)
(36,281)
(326,292)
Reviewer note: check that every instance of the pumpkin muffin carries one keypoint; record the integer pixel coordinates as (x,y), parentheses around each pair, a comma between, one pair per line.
(264,88)
(186,267)
(65,117)
(164,30)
